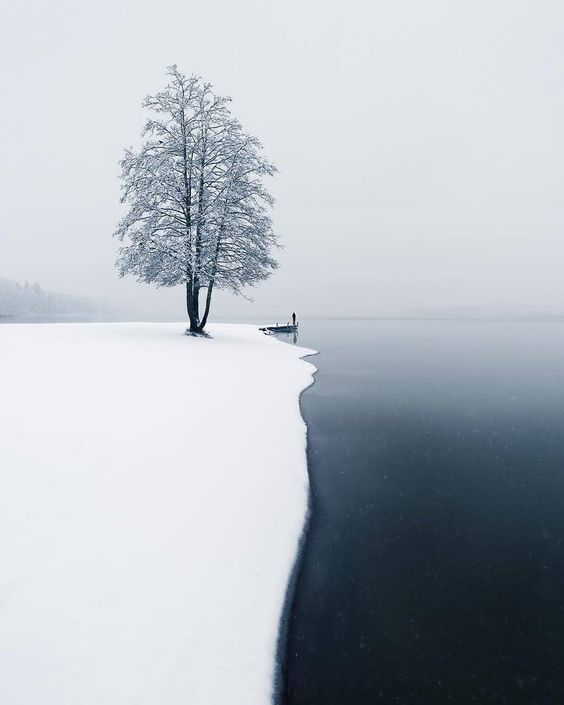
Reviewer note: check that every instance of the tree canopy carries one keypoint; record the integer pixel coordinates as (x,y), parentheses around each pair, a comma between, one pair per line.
(198,210)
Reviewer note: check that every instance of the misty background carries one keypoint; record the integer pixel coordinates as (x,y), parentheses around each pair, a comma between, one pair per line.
(419,147)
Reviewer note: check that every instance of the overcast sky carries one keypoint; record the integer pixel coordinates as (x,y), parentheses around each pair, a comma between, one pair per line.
(420,145)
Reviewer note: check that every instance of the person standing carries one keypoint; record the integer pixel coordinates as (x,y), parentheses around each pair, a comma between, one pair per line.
(293,319)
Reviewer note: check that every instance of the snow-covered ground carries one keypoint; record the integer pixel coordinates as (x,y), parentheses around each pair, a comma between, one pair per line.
(153,488)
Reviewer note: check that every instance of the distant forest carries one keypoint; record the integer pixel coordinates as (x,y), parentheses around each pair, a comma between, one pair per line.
(31,300)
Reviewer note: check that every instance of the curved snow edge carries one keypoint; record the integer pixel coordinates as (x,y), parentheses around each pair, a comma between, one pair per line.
(280,673)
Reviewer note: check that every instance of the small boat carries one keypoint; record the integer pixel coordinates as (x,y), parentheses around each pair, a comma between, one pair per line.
(288,328)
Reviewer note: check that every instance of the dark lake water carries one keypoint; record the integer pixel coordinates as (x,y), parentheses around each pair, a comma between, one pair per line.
(433,570)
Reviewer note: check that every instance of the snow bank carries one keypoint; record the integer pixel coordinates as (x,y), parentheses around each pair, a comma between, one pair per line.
(153,488)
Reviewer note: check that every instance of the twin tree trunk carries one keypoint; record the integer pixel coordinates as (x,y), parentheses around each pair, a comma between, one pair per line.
(193,306)
(193,293)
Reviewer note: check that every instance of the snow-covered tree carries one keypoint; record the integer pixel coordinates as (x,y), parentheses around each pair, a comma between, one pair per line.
(197,205)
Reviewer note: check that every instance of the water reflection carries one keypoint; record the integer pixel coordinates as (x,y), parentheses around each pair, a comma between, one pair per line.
(287,337)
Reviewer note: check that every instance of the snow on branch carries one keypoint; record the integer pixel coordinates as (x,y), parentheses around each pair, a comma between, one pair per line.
(198,208)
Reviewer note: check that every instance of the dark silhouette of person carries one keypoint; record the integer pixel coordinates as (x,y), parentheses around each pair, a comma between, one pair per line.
(294,319)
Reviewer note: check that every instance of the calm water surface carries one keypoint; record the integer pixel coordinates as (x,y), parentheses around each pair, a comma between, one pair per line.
(433,571)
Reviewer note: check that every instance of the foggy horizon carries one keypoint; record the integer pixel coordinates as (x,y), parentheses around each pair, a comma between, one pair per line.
(421,168)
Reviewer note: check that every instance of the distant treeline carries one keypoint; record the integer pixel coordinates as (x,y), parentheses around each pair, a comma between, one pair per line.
(31,300)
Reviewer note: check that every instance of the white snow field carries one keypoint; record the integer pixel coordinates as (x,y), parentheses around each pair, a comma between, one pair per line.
(153,488)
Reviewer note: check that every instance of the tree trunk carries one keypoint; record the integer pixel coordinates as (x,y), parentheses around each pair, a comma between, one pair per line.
(208,303)
(212,280)
(196,296)
(192,308)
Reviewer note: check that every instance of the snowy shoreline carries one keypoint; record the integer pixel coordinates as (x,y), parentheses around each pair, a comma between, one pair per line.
(279,695)
(153,490)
